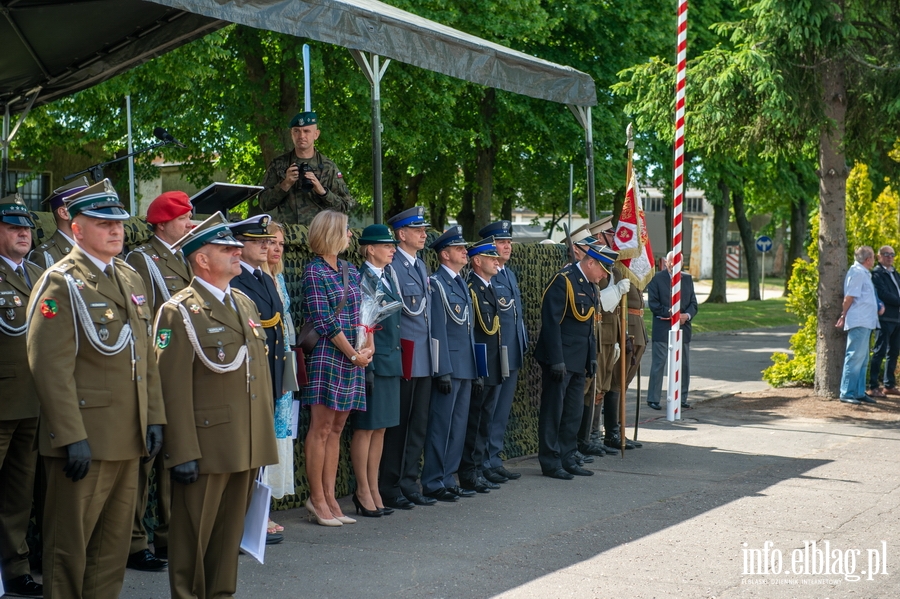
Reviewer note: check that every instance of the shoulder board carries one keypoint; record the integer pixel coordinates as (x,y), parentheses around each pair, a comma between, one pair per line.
(62,266)
(38,266)
(182,295)
(46,245)
(238,292)
(120,262)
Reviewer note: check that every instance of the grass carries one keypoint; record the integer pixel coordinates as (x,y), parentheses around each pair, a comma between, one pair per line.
(738,316)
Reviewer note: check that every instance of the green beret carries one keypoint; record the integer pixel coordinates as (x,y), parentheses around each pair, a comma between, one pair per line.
(303,119)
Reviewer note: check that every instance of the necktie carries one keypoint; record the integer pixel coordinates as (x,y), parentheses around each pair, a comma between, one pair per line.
(23,275)
(462,286)
(259,276)
(109,272)
(386,280)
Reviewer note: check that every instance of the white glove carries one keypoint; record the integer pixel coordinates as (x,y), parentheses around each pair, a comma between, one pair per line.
(624,285)
(618,353)
(609,298)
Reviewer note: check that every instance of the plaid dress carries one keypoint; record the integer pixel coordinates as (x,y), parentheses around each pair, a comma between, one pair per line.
(334,381)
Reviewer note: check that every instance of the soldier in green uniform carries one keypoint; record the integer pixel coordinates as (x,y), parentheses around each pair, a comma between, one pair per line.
(19,408)
(164,271)
(90,351)
(62,240)
(302,182)
(211,350)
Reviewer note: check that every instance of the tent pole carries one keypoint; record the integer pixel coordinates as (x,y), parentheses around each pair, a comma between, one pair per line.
(583,116)
(4,151)
(374,69)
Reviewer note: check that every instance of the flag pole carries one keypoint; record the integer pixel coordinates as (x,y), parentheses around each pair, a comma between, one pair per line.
(673,395)
(623,316)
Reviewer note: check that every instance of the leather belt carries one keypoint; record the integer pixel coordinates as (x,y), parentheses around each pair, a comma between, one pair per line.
(636,311)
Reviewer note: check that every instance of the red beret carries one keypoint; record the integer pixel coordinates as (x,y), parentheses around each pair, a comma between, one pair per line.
(168,206)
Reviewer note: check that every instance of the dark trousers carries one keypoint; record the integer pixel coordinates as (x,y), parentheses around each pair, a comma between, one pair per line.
(558,419)
(887,342)
(658,370)
(447,417)
(478,427)
(163,506)
(404,443)
(17,465)
(500,420)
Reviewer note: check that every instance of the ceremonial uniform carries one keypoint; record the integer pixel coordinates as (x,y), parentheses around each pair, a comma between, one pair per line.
(298,207)
(18,419)
(88,346)
(52,251)
(637,334)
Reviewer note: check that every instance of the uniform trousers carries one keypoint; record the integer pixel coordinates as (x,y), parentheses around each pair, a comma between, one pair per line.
(559,419)
(478,427)
(404,443)
(205,534)
(447,417)
(163,506)
(500,420)
(658,368)
(18,459)
(87,528)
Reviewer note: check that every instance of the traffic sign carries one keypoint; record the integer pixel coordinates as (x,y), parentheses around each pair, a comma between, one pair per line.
(763,243)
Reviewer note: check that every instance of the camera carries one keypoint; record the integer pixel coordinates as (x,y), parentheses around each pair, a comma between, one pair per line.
(305,184)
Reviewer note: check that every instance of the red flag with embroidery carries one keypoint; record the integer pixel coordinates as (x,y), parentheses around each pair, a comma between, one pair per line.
(631,239)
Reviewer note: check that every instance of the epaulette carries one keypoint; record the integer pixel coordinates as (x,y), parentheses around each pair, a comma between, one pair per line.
(239,292)
(33,263)
(46,245)
(62,265)
(182,295)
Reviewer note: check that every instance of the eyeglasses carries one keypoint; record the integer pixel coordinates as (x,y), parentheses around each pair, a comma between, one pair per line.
(887,254)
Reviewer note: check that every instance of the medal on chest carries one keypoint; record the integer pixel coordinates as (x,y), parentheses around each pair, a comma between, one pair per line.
(103,333)
(220,355)
(10,314)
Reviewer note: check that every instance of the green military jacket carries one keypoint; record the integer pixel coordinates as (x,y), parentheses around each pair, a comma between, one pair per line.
(296,207)
(19,395)
(51,251)
(164,272)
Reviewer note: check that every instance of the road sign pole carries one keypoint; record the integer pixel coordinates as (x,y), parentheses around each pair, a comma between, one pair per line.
(762,289)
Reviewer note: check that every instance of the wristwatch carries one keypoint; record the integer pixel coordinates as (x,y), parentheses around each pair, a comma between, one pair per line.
(353,358)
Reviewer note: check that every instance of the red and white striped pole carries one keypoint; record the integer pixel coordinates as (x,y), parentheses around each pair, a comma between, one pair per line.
(673,406)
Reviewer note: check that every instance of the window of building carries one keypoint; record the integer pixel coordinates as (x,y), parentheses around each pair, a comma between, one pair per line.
(656,204)
(693,204)
(33,187)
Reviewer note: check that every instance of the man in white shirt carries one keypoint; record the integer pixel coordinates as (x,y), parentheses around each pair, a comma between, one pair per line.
(859,317)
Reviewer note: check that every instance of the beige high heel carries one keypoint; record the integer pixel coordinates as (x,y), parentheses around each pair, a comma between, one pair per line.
(321,521)
(345,520)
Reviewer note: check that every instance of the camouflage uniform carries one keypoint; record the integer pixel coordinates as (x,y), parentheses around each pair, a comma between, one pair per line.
(296,207)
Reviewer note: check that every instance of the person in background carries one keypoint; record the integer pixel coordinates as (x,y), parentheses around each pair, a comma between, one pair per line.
(887,339)
(859,316)
(377,247)
(280,476)
(63,240)
(336,370)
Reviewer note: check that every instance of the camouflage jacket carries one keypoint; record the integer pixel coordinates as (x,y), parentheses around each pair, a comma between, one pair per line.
(296,207)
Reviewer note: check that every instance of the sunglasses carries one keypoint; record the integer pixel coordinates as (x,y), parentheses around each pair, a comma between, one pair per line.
(887,254)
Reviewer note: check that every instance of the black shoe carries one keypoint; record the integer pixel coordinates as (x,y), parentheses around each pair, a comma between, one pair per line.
(386,511)
(473,483)
(615,443)
(145,561)
(443,494)
(488,484)
(502,471)
(591,449)
(399,503)
(611,450)
(361,509)
(273,538)
(560,473)
(850,400)
(460,492)
(579,471)
(23,586)
(495,477)
(161,552)
(419,499)
(686,406)
(654,405)
(866,399)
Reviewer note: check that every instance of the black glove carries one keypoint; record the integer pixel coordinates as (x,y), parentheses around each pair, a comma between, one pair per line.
(79,461)
(478,386)
(370,382)
(629,349)
(154,441)
(443,384)
(558,372)
(592,368)
(186,473)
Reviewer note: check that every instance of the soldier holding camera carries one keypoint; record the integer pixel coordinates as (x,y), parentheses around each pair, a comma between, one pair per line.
(302,182)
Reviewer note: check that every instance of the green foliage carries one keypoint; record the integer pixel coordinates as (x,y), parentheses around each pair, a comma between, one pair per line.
(801,369)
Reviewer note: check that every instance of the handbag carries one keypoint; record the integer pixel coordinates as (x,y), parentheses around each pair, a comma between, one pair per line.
(308,336)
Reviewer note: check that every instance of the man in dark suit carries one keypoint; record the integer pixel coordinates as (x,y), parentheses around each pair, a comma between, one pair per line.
(887,336)
(514,337)
(404,443)
(659,300)
(260,287)
(567,352)
(483,402)
(451,317)
(19,408)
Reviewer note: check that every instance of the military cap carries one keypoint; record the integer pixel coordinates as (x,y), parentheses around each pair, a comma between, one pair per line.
(13,211)
(303,119)
(580,234)
(485,247)
(214,230)
(450,237)
(599,226)
(375,234)
(100,200)
(168,206)
(412,217)
(602,254)
(587,240)
(502,229)
(254,227)
(58,197)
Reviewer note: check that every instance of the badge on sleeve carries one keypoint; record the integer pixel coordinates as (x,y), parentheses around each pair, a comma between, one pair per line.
(49,308)
(163,337)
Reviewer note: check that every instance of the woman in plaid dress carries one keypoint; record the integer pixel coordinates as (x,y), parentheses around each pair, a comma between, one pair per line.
(336,371)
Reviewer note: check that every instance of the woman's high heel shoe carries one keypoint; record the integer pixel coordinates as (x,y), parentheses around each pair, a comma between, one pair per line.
(376,513)
(345,520)
(321,521)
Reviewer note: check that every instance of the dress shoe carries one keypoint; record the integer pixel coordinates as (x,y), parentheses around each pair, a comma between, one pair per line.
(367,513)
(312,515)
(443,494)
(495,477)
(386,511)
(866,399)
(653,405)
(579,471)
(611,450)
(686,406)
(560,473)
(345,519)
(850,400)
(615,443)
(419,499)
(474,485)
(488,484)
(23,586)
(502,471)
(460,492)
(161,552)
(876,392)
(591,449)
(145,561)
(891,391)
(400,503)
(274,538)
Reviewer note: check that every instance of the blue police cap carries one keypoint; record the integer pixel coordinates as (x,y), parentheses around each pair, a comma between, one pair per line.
(485,247)
(502,229)
(450,237)
(412,217)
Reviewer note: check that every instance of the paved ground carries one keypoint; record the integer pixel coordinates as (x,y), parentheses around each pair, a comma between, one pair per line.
(675,519)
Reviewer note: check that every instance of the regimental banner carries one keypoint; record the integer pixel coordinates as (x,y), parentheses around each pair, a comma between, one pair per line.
(632,240)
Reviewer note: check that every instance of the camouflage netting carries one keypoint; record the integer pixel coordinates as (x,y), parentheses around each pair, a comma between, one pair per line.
(534,264)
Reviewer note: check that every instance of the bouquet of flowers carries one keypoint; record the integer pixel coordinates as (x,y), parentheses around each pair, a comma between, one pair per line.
(373,309)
